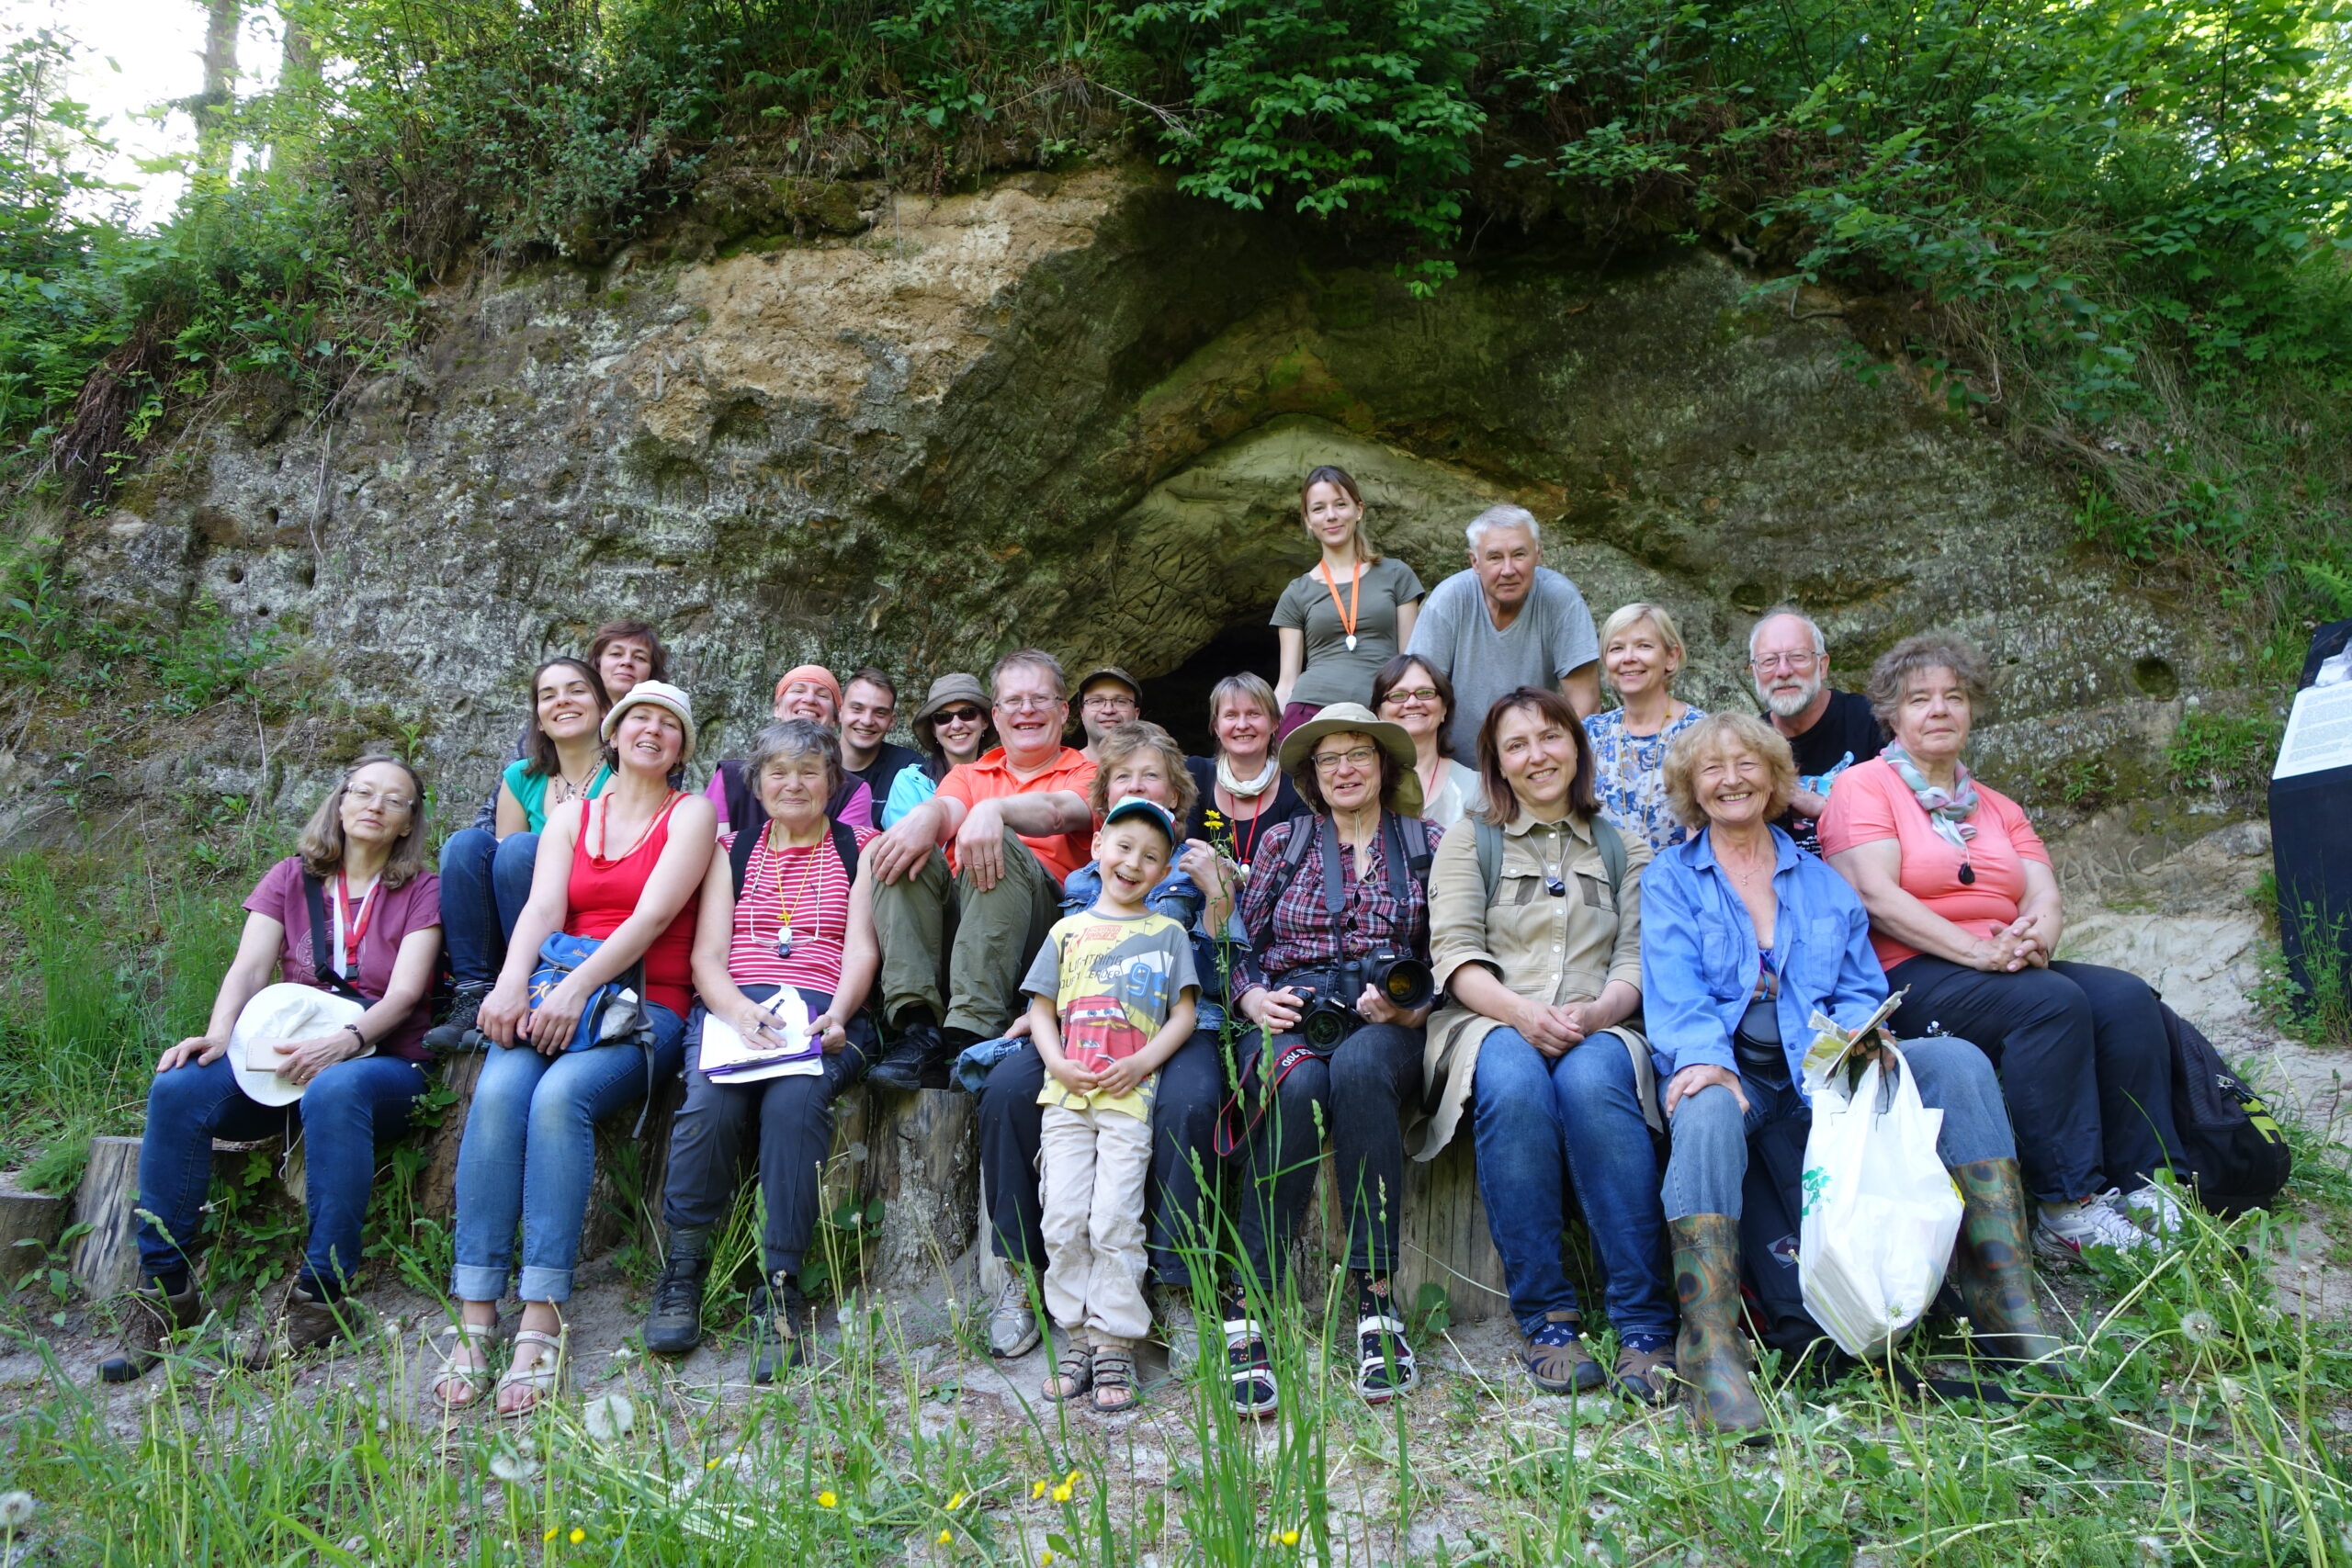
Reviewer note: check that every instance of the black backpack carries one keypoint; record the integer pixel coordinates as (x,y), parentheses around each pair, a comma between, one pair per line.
(2236,1154)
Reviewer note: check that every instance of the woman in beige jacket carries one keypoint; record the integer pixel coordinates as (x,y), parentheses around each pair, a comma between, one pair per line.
(1535,934)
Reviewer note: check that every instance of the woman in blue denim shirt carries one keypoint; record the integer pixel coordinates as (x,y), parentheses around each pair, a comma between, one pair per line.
(1745,938)
(1136,759)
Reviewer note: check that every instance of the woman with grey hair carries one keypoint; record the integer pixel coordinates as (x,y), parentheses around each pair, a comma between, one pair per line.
(788,904)
(1745,941)
(1965,916)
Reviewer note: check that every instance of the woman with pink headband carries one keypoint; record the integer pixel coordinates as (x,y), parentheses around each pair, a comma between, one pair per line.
(809,692)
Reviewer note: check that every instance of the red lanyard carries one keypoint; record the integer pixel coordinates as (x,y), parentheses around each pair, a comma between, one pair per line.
(353,929)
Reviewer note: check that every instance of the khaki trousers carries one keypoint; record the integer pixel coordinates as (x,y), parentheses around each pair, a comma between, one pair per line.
(1092,1165)
(959,952)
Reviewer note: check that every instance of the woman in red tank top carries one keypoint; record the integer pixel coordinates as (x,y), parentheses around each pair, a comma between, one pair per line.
(624,869)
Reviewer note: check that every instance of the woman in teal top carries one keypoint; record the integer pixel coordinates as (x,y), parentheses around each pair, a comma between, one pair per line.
(486,873)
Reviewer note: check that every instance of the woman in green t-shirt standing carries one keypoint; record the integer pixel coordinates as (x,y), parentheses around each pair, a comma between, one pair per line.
(485,873)
(1339,623)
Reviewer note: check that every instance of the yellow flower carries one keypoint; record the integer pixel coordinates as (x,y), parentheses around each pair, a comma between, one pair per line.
(550,1535)
(1061,1493)
(711,1464)
(1045,1558)
(1037,1491)
(946,1536)
(1290,1538)
(956,1502)
(827,1500)
(578,1535)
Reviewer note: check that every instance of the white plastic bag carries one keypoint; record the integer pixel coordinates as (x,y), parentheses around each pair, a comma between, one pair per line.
(1881,1211)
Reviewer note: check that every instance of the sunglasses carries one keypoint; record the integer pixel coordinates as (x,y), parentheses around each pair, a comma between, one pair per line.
(957,716)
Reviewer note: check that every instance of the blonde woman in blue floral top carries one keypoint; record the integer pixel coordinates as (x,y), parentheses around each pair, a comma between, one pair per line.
(1640,653)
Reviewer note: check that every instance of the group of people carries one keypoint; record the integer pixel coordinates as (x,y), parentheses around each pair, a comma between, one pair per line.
(1421,882)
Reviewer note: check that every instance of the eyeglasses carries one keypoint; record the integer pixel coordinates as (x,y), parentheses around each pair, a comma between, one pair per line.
(1109,699)
(361,794)
(959,715)
(1411,694)
(1360,758)
(1027,704)
(1795,663)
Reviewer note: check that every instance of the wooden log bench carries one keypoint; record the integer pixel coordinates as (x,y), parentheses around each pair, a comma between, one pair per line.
(30,1224)
(918,1156)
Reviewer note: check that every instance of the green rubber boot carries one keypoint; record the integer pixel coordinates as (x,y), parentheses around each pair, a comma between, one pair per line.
(1996,1267)
(1709,1354)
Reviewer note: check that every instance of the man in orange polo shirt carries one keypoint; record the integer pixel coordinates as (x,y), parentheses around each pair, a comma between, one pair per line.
(968,884)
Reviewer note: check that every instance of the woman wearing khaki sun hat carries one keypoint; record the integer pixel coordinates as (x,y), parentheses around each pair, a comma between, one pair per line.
(1336,910)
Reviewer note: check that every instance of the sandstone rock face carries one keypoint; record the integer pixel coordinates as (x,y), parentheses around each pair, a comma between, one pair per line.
(1073,411)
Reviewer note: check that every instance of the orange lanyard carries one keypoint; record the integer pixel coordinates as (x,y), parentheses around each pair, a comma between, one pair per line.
(1355,588)
(784,909)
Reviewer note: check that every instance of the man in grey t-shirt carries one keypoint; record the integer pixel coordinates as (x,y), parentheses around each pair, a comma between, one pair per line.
(1507,622)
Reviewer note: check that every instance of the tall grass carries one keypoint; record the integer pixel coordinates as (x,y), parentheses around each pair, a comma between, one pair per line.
(2200,1428)
(118,961)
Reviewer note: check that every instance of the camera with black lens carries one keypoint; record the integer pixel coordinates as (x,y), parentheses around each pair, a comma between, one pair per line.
(1403,980)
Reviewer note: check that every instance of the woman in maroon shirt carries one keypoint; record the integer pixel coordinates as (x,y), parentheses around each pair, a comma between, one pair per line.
(364,849)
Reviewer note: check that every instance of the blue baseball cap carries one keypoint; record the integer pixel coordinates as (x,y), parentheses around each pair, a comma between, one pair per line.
(1158,814)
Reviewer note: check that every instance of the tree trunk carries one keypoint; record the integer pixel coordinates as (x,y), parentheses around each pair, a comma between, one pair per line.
(106,1259)
(213,109)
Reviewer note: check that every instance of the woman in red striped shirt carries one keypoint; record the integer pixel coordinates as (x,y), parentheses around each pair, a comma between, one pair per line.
(787,903)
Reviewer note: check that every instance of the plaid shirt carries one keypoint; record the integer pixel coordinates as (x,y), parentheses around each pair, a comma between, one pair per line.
(1295,930)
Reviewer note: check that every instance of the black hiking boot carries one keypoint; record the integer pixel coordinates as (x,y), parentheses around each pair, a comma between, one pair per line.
(465,1013)
(674,1325)
(917,1047)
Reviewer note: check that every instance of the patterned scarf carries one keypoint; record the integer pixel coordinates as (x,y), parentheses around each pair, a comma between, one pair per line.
(1947,809)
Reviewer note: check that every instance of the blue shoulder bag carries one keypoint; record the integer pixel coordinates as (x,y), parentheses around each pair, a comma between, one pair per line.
(616,1012)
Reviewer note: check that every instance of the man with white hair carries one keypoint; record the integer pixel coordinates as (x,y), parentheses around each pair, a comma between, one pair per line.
(1507,622)
(1829,730)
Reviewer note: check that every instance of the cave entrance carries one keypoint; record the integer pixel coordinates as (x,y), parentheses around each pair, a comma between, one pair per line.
(1178,701)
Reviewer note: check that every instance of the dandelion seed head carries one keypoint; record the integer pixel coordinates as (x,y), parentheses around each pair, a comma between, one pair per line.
(608,1416)
(16,1507)
(2198,1325)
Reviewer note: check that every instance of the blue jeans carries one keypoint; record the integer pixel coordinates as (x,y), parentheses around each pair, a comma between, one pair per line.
(346,1111)
(485,882)
(530,1153)
(1546,1126)
(1710,1136)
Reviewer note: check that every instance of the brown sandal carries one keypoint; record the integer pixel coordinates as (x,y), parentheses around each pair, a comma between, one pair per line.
(1073,1371)
(1114,1374)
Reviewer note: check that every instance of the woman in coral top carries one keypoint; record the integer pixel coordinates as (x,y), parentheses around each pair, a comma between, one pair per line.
(623,869)
(1965,917)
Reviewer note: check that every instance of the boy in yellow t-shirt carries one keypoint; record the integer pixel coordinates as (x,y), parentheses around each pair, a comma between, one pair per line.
(1111,997)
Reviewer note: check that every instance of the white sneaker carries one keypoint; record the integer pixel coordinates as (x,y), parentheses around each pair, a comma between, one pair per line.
(2154,1210)
(2066,1230)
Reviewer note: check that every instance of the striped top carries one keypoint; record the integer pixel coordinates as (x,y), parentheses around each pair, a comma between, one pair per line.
(810,883)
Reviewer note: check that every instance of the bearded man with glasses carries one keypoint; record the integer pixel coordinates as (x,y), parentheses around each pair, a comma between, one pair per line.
(1828,731)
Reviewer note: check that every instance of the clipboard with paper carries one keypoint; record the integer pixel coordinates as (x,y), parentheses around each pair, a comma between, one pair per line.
(1833,1043)
(784,1049)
